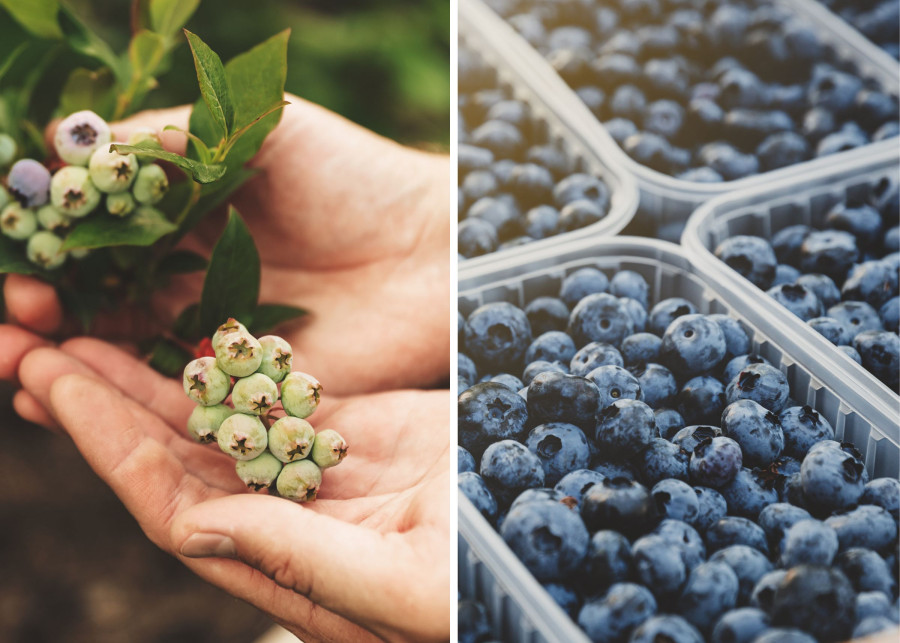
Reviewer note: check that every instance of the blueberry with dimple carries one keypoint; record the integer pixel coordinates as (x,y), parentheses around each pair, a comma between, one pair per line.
(831,478)
(465,461)
(497,335)
(577,483)
(675,499)
(540,366)
(559,397)
(614,383)
(502,138)
(685,538)
(640,348)
(741,625)
(690,436)
(748,493)
(548,537)
(664,117)
(609,560)
(667,311)
(867,571)
(797,299)
(764,591)
(712,508)
(829,252)
(809,542)
(552,346)
(29,182)
(777,518)
(841,141)
(612,617)
(867,526)
(747,563)
(803,427)
(710,591)
(880,354)
(668,422)
(599,317)
(546,314)
(831,329)
(756,429)
(594,355)
(761,383)
(834,90)
(884,492)
(692,344)
(737,364)
(873,282)
(662,460)
(508,468)
(818,600)
(475,489)
(561,448)
(489,412)
(658,565)
(624,429)
(628,283)
(577,187)
(701,400)
(735,530)
(617,503)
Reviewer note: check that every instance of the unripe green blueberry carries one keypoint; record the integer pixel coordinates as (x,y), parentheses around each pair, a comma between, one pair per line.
(45,249)
(238,353)
(112,172)
(231,325)
(242,436)
(254,394)
(5,197)
(291,438)
(7,149)
(72,191)
(120,205)
(150,185)
(52,219)
(299,481)
(144,136)
(79,253)
(204,423)
(17,222)
(329,449)
(260,472)
(78,135)
(277,357)
(300,394)
(204,382)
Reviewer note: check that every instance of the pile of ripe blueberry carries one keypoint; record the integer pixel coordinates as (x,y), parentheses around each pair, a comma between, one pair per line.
(473,623)
(516,186)
(275,447)
(659,479)
(707,91)
(39,208)
(840,278)
(877,20)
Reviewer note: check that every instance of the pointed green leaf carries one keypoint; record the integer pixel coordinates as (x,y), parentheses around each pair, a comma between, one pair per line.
(37,16)
(84,41)
(13,259)
(11,59)
(231,287)
(213,83)
(143,228)
(167,17)
(269,316)
(201,172)
(88,89)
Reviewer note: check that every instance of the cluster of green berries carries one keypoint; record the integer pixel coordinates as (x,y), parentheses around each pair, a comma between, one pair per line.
(40,208)
(282,453)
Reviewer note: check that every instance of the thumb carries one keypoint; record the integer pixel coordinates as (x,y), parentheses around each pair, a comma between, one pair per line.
(342,567)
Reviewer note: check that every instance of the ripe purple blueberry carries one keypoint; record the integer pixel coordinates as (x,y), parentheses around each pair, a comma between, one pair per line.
(29,182)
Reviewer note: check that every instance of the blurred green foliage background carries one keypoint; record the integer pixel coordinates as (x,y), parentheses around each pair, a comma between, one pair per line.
(384,64)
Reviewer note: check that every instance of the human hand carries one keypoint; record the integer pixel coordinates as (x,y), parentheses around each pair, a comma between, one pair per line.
(350,226)
(369,558)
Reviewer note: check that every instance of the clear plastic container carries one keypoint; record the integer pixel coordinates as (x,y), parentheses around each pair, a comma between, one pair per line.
(520,610)
(763,212)
(553,129)
(666,202)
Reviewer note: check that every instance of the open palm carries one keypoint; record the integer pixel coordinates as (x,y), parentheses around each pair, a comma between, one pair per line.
(358,563)
(351,226)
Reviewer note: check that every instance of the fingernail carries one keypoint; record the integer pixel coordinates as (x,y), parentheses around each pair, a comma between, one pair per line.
(208,546)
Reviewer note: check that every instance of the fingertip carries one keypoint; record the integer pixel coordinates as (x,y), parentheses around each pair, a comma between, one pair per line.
(157,120)
(29,409)
(33,304)
(17,343)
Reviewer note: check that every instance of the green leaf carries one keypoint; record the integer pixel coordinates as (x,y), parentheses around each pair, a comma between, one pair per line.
(269,316)
(232,141)
(13,259)
(231,287)
(168,16)
(214,195)
(169,358)
(202,150)
(213,83)
(88,89)
(37,16)
(86,42)
(11,59)
(182,261)
(142,228)
(201,172)
(187,325)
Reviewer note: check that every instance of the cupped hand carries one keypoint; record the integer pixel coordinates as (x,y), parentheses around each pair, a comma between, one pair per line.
(369,559)
(350,226)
